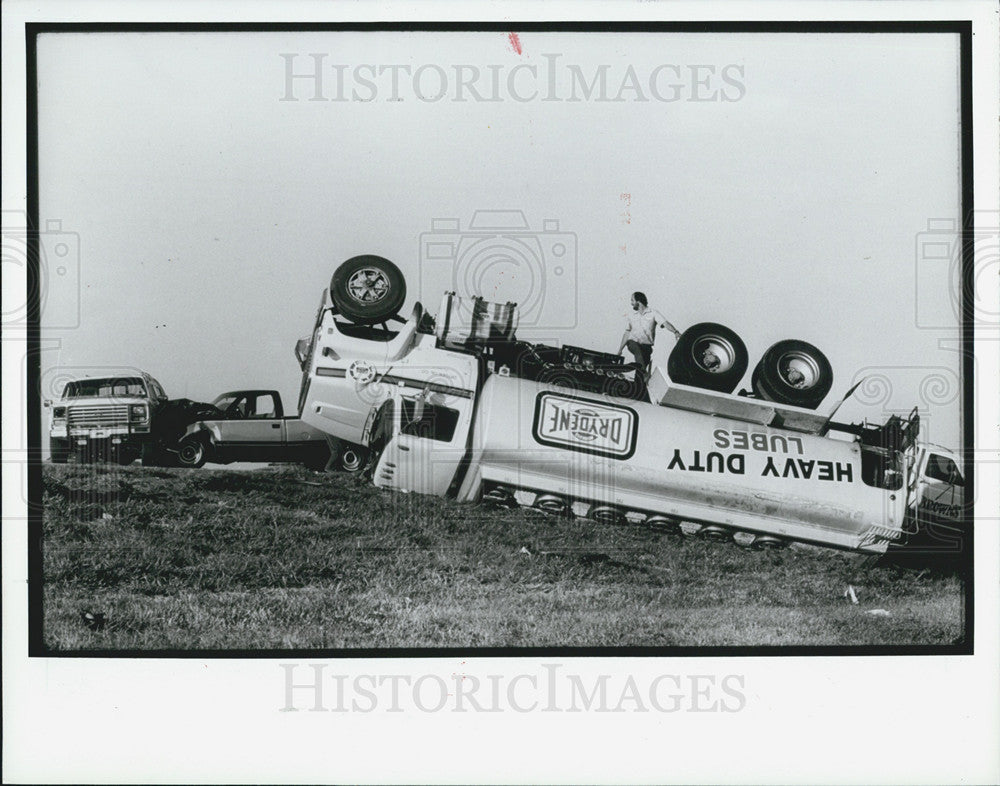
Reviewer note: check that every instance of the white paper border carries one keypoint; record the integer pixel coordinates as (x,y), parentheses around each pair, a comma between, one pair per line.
(818,719)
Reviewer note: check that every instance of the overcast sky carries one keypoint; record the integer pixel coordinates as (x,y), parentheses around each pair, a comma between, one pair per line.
(781,184)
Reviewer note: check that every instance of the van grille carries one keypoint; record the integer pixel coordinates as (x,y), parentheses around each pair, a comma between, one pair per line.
(98,415)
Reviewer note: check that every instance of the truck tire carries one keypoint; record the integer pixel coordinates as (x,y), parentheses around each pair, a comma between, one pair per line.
(368,289)
(709,356)
(795,373)
(125,457)
(59,450)
(153,455)
(318,459)
(352,458)
(192,453)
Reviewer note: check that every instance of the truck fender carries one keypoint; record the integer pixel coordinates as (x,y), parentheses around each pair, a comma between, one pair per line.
(202,430)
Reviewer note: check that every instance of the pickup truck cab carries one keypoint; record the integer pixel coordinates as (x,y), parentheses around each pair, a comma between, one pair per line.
(105,418)
(251,426)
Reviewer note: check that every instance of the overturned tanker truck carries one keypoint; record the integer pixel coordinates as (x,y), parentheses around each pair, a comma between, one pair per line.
(455,405)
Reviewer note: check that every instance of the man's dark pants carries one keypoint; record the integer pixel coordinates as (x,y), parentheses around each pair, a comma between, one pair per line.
(643,353)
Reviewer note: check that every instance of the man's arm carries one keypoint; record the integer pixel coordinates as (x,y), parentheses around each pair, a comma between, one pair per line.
(621,346)
(666,323)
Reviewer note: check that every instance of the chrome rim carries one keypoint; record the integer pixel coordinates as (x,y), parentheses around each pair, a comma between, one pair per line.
(711,532)
(767,543)
(551,503)
(605,514)
(351,460)
(190,453)
(500,496)
(714,354)
(799,370)
(662,524)
(368,285)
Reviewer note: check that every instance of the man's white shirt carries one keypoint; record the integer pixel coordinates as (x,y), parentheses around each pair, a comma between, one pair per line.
(642,326)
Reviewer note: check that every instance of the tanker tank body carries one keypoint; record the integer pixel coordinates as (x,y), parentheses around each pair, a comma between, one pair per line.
(637,458)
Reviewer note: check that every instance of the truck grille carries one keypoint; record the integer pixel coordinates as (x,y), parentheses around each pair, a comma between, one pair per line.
(98,415)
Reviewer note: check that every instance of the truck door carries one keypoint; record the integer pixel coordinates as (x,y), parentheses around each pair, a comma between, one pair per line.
(940,497)
(420,441)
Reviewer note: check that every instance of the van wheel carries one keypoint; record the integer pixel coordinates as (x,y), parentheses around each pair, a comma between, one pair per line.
(709,356)
(795,373)
(192,453)
(368,289)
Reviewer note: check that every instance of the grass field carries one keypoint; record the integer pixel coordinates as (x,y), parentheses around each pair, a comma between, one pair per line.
(287,558)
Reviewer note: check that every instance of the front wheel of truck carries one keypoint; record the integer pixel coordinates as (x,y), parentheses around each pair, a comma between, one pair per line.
(192,453)
(152,455)
(59,450)
(125,457)
(353,458)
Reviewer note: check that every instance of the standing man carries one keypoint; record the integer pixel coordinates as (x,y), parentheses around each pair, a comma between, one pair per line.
(641,332)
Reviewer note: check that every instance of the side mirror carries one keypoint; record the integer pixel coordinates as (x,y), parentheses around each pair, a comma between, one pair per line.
(47,403)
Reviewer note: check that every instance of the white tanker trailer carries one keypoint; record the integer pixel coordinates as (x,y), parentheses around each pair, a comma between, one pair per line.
(458,407)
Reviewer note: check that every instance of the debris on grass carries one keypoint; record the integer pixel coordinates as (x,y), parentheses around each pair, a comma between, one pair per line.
(850,593)
(93,619)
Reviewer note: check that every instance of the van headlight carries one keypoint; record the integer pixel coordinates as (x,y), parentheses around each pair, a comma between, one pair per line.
(138,412)
(59,412)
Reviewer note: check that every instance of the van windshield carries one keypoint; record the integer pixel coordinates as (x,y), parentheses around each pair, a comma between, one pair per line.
(109,386)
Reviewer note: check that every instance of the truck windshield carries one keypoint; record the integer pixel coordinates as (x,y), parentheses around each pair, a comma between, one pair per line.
(943,468)
(435,422)
(100,388)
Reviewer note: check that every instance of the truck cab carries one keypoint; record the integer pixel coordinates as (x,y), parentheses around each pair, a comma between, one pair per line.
(937,506)
(105,418)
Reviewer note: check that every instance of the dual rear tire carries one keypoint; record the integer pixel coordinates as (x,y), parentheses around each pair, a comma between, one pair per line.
(709,356)
(713,357)
(795,373)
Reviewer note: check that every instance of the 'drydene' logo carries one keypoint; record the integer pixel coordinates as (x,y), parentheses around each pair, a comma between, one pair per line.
(582,423)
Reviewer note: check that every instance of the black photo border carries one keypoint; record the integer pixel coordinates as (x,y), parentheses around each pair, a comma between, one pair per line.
(963,28)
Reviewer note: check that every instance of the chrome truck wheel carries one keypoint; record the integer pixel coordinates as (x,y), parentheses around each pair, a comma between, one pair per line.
(606,514)
(769,543)
(353,458)
(553,503)
(192,453)
(664,524)
(715,533)
(368,289)
(794,373)
(501,496)
(709,356)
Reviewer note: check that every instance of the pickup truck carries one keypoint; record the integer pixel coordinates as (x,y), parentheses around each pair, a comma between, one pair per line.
(457,406)
(250,425)
(105,418)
